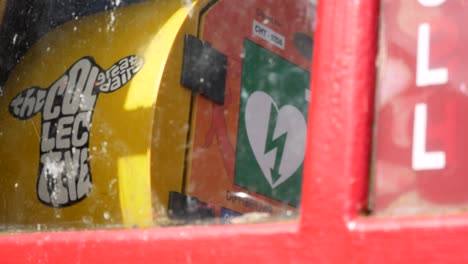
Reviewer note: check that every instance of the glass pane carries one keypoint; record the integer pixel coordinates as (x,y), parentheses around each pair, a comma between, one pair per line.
(420,143)
(119,113)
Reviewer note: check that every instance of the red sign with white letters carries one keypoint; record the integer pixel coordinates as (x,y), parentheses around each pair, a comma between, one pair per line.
(421,136)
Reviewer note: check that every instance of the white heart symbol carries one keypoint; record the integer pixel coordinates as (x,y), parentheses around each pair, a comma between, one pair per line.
(290,122)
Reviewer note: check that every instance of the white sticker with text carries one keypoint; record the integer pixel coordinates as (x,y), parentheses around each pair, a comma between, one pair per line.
(268,34)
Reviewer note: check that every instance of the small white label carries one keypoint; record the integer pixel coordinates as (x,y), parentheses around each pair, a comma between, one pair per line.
(268,34)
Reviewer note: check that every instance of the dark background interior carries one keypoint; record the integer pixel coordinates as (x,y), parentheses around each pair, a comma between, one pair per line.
(25,21)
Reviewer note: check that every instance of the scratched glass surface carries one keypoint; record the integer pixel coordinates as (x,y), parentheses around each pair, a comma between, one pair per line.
(421,104)
(146,113)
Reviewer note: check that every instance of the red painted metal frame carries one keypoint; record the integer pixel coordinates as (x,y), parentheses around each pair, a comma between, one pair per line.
(331,228)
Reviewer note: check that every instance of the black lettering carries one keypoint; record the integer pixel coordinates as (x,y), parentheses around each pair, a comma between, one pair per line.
(114,71)
(72,165)
(89,96)
(15,105)
(64,131)
(260,30)
(123,64)
(103,82)
(78,75)
(84,180)
(40,100)
(123,75)
(116,83)
(47,137)
(81,128)
(52,111)
(50,186)
(28,104)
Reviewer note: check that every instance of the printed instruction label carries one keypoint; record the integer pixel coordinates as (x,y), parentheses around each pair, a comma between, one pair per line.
(268,34)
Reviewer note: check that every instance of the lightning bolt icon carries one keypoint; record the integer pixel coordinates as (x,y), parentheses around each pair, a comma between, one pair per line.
(275,143)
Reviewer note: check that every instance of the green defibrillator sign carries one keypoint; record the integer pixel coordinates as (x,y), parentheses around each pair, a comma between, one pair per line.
(272,125)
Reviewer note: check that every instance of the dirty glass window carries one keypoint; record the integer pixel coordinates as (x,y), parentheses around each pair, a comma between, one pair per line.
(420,144)
(119,113)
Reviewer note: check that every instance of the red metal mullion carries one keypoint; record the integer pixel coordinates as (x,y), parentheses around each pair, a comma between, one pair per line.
(339,139)
(339,146)
(339,132)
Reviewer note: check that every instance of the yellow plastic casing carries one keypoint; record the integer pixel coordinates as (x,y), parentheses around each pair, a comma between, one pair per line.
(138,136)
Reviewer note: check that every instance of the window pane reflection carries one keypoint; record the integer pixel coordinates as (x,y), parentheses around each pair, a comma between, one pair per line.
(148,113)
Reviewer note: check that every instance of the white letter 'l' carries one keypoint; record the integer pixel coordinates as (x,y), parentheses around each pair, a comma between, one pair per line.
(431,3)
(423,160)
(424,75)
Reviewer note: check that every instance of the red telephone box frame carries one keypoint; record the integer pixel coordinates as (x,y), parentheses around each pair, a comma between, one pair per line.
(331,228)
